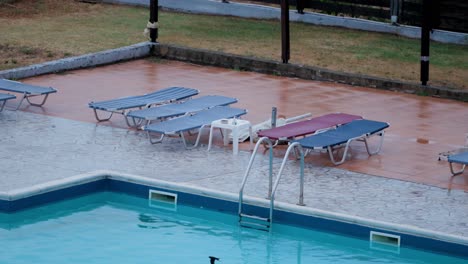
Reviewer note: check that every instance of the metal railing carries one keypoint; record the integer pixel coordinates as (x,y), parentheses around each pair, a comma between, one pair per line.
(272,188)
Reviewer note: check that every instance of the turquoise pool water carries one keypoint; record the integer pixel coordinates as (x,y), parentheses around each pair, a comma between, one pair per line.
(116,228)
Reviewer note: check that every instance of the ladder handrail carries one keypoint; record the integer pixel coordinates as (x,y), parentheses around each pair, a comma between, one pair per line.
(249,167)
(272,189)
(301,184)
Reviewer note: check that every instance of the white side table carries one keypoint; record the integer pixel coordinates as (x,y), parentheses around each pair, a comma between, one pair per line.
(235,125)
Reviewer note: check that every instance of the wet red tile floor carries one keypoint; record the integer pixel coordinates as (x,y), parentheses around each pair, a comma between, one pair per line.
(420,127)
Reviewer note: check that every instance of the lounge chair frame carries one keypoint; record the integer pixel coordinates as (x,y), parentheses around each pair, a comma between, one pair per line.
(463,162)
(347,144)
(208,116)
(4,98)
(102,119)
(334,158)
(181,135)
(454,172)
(134,122)
(124,112)
(27,94)
(314,125)
(124,105)
(160,113)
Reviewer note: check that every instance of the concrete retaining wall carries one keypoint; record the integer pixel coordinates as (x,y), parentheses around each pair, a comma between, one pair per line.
(85,61)
(218,59)
(212,58)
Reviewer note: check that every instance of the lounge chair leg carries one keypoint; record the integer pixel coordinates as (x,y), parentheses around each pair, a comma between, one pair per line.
(210,139)
(159,140)
(298,155)
(128,122)
(134,123)
(185,141)
(343,158)
(102,120)
(457,172)
(379,146)
(37,104)
(20,102)
(330,154)
(196,141)
(265,145)
(3,106)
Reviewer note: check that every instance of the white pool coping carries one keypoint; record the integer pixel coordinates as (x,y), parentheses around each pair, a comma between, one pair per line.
(304,210)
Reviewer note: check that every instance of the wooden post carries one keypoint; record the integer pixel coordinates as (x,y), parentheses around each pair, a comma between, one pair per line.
(300,6)
(425,40)
(154,20)
(285,47)
(395,7)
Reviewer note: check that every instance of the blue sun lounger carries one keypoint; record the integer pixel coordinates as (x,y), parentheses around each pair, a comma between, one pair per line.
(27,90)
(192,121)
(124,104)
(342,136)
(4,98)
(177,109)
(460,158)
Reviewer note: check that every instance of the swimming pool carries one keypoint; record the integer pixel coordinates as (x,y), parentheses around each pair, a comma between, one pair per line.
(109,227)
(112,221)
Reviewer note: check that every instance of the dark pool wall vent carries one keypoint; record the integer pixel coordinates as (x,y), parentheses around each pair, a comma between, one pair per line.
(162,200)
(385,242)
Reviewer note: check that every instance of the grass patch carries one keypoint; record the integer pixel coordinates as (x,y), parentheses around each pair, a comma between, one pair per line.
(54,29)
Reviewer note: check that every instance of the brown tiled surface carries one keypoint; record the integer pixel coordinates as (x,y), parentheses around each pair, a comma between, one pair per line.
(420,127)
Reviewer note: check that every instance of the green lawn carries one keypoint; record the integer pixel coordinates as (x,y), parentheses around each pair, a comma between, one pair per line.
(75,28)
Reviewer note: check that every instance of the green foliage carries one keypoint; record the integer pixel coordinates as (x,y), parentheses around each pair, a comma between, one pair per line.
(395,48)
(102,27)
(27,50)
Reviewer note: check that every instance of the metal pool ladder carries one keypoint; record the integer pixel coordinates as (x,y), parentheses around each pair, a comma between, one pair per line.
(261,222)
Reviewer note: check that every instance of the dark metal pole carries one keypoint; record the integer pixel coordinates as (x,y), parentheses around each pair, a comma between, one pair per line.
(154,20)
(425,40)
(395,7)
(285,50)
(300,6)
(274,115)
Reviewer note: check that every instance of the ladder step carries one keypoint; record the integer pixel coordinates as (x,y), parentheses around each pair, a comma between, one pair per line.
(255,217)
(255,222)
(253,225)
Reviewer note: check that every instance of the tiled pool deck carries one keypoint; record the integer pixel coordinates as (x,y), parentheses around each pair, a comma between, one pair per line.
(64,141)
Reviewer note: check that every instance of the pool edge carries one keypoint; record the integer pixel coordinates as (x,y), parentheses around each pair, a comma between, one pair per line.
(97,176)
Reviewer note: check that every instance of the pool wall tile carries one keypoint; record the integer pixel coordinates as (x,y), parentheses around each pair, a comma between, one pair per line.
(183,197)
(134,189)
(53,196)
(362,232)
